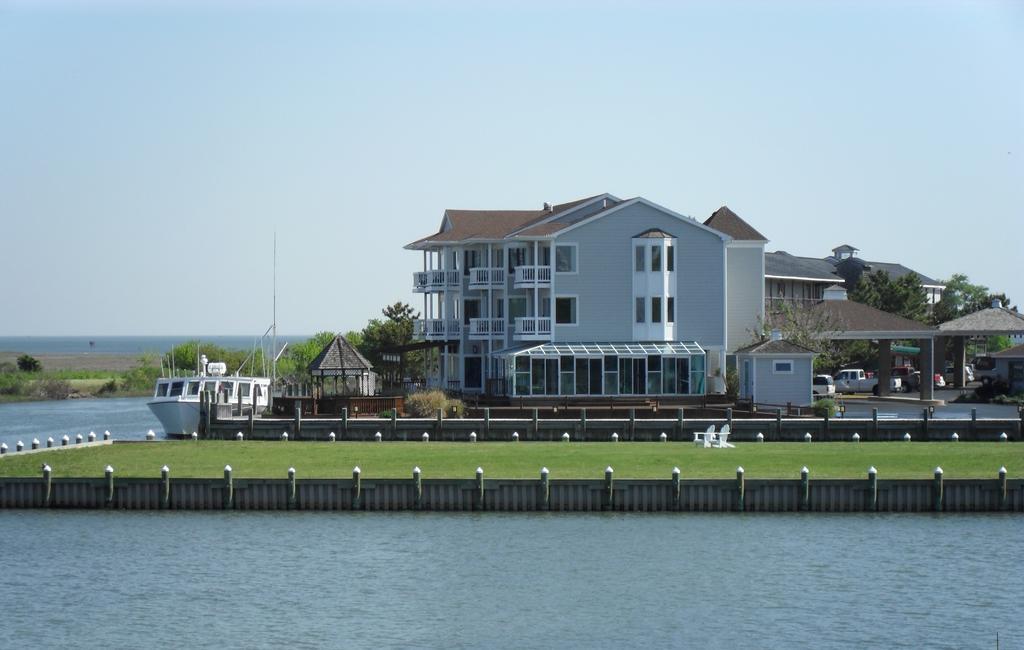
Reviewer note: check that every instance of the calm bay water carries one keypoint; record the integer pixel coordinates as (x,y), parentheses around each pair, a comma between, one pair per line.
(125,418)
(115,579)
(128,345)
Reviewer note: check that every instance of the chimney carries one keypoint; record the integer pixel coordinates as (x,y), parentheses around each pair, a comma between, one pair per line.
(776,335)
(835,292)
(547,207)
(997,303)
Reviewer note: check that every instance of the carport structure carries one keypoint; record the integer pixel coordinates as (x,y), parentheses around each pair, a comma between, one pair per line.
(994,321)
(845,320)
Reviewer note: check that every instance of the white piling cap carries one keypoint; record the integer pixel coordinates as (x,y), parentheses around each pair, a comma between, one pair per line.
(107,433)
(108,469)
(416,470)
(35,441)
(663,436)
(356,470)
(284,435)
(760,436)
(804,470)
(49,440)
(195,436)
(78,436)
(544,471)
(955,436)
(66,438)
(239,436)
(565,436)
(906,436)
(1002,470)
(872,470)
(479,471)
(938,470)
(608,470)
(227,468)
(291,471)
(165,469)
(46,468)
(515,435)
(615,436)
(20,444)
(1003,437)
(3,445)
(739,470)
(151,432)
(377,436)
(675,471)
(807,436)
(92,433)
(426,436)
(856,437)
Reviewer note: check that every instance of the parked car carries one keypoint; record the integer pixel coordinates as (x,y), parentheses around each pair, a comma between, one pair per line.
(938,380)
(855,380)
(949,373)
(909,378)
(823,386)
(984,366)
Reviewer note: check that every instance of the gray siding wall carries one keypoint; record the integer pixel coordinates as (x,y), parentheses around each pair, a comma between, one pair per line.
(604,283)
(746,294)
(781,389)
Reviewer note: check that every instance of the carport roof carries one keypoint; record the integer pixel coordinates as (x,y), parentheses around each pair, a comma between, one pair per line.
(994,321)
(846,319)
(1015,352)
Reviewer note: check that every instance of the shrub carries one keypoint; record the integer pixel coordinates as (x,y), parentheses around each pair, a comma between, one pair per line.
(52,389)
(425,404)
(386,414)
(824,407)
(11,384)
(29,364)
(108,388)
(455,409)
(732,383)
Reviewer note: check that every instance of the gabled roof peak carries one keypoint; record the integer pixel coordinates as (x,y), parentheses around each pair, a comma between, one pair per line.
(726,221)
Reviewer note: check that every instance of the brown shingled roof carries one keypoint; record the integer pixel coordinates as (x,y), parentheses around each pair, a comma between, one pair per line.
(496,224)
(727,221)
(851,317)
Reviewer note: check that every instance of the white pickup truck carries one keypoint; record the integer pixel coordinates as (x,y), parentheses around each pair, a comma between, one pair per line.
(856,380)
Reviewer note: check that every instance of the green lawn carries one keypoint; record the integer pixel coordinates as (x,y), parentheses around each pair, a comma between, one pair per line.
(524,460)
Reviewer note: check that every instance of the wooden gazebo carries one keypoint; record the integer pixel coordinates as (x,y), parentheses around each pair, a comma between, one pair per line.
(340,360)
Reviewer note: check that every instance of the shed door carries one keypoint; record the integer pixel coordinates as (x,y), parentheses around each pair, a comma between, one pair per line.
(748,379)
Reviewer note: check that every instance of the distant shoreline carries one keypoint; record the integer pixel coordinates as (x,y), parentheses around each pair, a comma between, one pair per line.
(81,361)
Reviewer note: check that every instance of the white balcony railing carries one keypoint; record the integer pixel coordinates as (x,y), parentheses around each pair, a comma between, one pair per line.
(484,278)
(437,329)
(532,276)
(485,328)
(529,328)
(427,281)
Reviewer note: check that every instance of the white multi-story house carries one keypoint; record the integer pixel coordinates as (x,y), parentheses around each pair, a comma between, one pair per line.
(597,297)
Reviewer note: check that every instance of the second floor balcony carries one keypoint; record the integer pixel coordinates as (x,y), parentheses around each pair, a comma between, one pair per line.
(528,328)
(487,278)
(437,329)
(532,276)
(485,328)
(436,280)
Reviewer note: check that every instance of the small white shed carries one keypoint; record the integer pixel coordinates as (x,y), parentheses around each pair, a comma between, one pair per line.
(776,371)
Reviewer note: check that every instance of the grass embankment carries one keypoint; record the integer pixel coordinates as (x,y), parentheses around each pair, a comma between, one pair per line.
(63,376)
(524,460)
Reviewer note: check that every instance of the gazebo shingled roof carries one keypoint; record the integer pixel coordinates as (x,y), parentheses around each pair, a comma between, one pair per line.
(993,321)
(339,357)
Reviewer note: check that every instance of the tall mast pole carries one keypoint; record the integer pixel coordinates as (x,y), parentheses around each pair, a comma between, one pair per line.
(273,370)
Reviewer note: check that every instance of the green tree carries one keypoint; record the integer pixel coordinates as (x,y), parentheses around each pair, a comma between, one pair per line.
(28,363)
(903,296)
(394,331)
(300,355)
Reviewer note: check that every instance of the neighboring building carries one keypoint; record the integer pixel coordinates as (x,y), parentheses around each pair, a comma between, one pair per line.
(1009,367)
(800,281)
(776,372)
(600,296)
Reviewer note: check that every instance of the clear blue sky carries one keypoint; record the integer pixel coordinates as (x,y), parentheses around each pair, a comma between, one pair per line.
(147,153)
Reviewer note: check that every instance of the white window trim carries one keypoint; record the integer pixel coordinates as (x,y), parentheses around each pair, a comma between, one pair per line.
(554,311)
(575,257)
(775,366)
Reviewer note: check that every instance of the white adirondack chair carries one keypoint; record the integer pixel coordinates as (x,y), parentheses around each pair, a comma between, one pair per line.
(704,438)
(722,439)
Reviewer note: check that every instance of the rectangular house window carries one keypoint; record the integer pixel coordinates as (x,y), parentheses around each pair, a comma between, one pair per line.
(670,258)
(656,258)
(782,367)
(656,309)
(640,266)
(611,375)
(641,309)
(566,376)
(671,310)
(565,259)
(565,311)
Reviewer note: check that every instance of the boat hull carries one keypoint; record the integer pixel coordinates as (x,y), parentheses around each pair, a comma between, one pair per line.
(176,417)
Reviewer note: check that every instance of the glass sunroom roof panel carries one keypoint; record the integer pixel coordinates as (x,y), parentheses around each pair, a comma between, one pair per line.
(621,349)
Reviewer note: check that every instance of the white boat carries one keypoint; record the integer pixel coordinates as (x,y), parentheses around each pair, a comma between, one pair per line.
(176,399)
